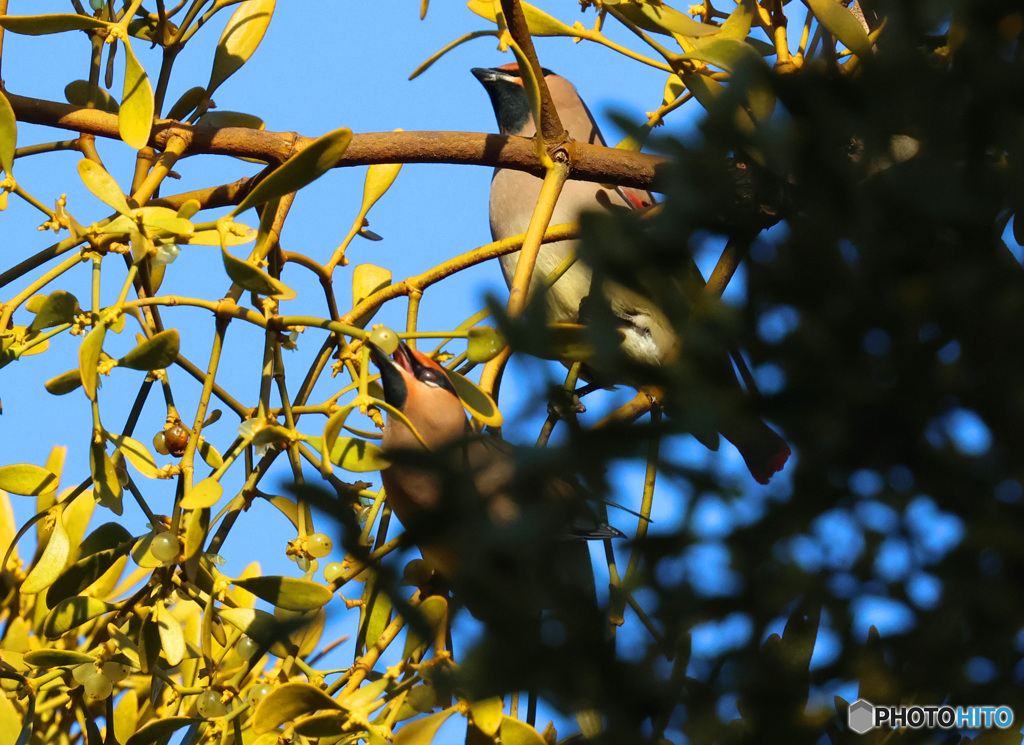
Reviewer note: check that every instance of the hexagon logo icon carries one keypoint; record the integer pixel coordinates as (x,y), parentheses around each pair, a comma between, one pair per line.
(861,716)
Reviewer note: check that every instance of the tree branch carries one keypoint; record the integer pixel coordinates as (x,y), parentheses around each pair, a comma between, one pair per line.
(589,162)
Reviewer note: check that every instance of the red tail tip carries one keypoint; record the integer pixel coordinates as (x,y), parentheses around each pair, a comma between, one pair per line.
(763,473)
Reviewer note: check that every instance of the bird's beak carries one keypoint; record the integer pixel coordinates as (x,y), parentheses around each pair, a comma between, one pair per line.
(393,370)
(485,74)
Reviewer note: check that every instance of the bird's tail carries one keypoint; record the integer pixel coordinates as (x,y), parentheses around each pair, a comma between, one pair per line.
(763,450)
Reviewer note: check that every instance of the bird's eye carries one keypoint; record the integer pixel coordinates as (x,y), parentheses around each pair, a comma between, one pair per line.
(428,376)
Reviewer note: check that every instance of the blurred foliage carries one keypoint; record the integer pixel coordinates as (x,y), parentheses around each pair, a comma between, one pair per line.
(871,194)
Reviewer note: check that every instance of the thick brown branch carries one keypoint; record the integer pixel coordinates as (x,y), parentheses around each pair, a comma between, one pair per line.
(590,163)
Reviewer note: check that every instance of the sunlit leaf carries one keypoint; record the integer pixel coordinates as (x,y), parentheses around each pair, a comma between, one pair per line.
(259,626)
(77,92)
(539,22)
(661,19)
(324,724)
(59,307)
(135,117)
(250,278)
(358,456)
(72,613)
(103,186)
(27,479)
(126,714)
(51,563)
(135,453)
(487,715)
(422,731)
(727,54)
(473,398)
(104,478)
(288,702)
(172,639)
(84,573)
(155,353)
(210,454)
(307,166)
(379,178)
(842,24)
(366,280)
(240,38)
(198,521)
(287,592)
(515,732)
(8,134)
(367,694)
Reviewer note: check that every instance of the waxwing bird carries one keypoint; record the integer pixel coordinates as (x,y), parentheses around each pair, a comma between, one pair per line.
(648,337)
(463,498)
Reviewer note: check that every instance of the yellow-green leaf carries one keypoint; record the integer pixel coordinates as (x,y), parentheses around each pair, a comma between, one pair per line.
(842,24)
(103,186)
(135,117)
(54,556)
(77,92)
(366,280)
(210,454)
(378,610)
(126,715)
(324,724)
(240,38)
(434,611)
(484,344)
(514,732)
(27,479)
(737,25)
(367,694)
(213,238)
(487,715)
(48,658)
(64,383)
(358,456)
(259,626)
(273,434)
(539,22)
(72,613)
(8,134)
(58,308)
(661,19)
(250,278)
(53,23)
(289,702)
(85,572)
(172,639)
(188,102)
(727,54)
(473,398)
(160,729)
(155,353)
(198,521)
(422,731)
(104,478)
(135,453)
(314,161)
(379,178)
(287,592)
(222,119)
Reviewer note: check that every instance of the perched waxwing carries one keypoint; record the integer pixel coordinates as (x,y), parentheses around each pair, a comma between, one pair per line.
(473,510)
(647,335)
